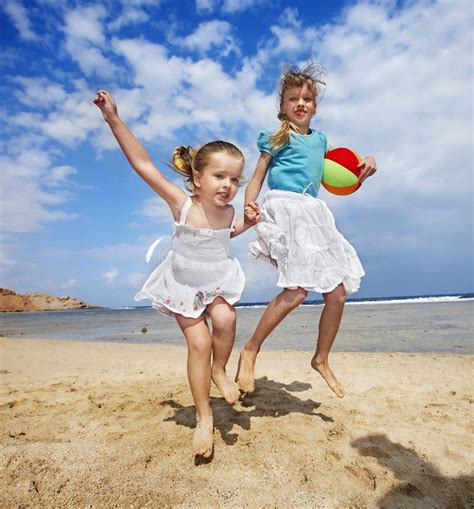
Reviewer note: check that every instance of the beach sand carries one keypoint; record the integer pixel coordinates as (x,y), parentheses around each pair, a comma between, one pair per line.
(109,425)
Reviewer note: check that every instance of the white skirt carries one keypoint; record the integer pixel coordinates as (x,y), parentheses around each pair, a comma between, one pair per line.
(298,234)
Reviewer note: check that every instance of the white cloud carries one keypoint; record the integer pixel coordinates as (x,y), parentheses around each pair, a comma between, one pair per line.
(120,252)
(211,34)
(71,283)
(129,16)
(226,6)
(85,40)
(203,6)
(19,17)
(70,116)
(156,210)
(39,92)
(153,69)
(110,275)
(84,23)
(58,176)
(26,204)
(135,280)
(231,6)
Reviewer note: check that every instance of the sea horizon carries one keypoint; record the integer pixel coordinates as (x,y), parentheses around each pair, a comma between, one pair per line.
(400,299)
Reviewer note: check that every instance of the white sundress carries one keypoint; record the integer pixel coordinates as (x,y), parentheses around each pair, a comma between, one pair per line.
(298,234)
(198,269)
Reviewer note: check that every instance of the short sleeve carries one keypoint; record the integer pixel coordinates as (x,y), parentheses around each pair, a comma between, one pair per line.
(324,141)
(263,142)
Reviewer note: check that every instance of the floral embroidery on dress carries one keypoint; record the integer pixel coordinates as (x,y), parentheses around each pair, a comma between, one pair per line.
(203,298)
(169,302)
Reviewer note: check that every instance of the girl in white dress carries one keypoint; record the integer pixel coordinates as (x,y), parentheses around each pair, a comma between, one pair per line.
(297,232)
(199,277)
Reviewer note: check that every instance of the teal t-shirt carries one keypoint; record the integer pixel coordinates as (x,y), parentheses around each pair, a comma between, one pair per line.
(298,166)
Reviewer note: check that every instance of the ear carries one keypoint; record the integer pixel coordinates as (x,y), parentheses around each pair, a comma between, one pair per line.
(196,179)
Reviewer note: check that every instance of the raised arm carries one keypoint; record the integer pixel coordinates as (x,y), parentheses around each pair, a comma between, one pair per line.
(137,155)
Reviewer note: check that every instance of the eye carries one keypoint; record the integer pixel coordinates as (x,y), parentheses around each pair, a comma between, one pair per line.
(235,180)
(219,176)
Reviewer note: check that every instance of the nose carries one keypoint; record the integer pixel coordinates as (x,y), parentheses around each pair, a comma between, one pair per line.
(300,101)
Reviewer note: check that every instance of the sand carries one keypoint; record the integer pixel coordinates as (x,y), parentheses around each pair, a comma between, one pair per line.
(108,425)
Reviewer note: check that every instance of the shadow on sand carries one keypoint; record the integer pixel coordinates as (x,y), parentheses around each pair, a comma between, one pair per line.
(272,399)
(422,484)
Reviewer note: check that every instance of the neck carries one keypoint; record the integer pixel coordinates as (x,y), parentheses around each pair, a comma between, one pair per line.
(304,129)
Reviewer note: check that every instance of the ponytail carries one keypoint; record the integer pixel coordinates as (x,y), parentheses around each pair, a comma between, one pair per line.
(281,137)
(182,162)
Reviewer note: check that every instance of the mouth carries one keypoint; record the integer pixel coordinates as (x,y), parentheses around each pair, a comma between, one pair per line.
(223,196)
(300,113)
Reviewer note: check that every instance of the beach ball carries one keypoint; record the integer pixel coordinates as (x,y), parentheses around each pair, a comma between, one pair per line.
(340,172)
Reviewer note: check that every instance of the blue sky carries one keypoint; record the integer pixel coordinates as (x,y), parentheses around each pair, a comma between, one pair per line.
(76,220)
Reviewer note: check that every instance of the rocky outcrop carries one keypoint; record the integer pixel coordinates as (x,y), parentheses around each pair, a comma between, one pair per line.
(11,301)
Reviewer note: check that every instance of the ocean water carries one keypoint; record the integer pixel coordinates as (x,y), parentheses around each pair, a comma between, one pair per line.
(437,324)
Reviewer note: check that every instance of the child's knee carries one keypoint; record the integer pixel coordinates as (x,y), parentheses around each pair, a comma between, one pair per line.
(200,349)
(337,296)
(298,295)
(223,320)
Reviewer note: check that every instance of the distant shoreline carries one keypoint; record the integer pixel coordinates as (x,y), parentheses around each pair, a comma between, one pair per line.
(12,302)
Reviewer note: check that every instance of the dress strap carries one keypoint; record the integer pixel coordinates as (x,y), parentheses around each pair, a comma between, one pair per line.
(185,210)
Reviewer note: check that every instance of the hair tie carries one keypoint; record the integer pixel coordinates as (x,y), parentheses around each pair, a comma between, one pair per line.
(179,163)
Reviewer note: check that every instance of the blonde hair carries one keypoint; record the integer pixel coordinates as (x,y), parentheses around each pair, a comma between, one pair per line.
(187,160)
(292,76)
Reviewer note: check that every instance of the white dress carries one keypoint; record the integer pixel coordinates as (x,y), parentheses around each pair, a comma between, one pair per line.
(298,234)
(198,269)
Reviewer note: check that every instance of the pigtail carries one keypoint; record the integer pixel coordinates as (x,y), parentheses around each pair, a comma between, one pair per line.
(182,162)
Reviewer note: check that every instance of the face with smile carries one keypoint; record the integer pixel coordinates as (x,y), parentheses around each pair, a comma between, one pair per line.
(299,106)
(219,181)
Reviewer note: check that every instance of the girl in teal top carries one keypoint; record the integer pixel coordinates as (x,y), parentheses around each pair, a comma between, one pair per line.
(297,166)
(297,231)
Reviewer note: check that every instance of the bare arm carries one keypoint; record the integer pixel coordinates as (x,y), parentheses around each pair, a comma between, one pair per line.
(137,155)
(256,182)
(240,226)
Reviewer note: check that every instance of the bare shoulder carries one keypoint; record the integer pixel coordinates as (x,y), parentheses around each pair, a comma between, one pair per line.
(230,212)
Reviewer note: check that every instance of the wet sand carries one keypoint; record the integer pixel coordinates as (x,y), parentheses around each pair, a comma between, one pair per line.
(110,425)
(440,327)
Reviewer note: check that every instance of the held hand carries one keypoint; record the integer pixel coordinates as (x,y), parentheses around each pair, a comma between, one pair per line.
(368,167)
(251,213)
(104,101)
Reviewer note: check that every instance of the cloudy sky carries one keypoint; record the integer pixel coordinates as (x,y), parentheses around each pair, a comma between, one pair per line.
(76,220)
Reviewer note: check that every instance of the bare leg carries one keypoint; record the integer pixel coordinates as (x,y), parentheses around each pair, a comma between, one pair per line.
(199,375)
(328,327)
(275,312)
(223,319)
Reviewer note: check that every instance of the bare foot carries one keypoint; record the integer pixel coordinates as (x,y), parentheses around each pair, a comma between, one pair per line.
(226,387)
(245,376)
(203,438)
(325,371)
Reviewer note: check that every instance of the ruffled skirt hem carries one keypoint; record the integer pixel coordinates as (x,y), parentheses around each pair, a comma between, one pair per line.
(169,310)
(298,235)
